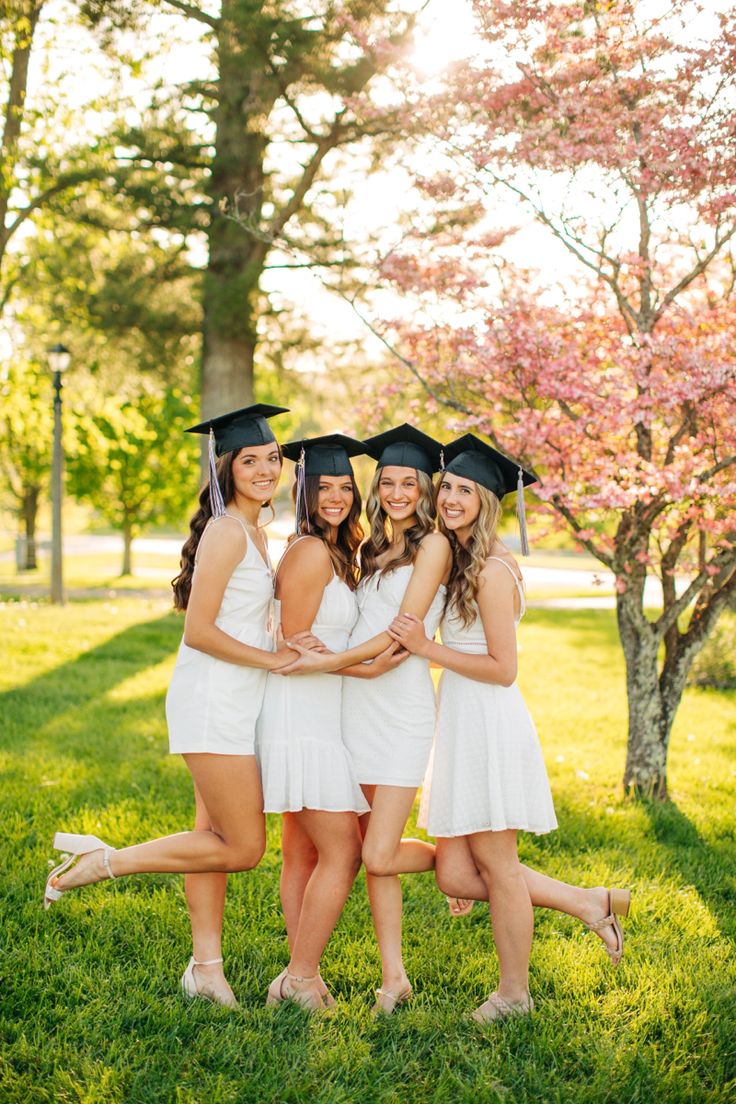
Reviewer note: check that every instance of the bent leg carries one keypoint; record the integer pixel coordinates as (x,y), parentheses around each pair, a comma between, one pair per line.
(386,901)
(384,851)
(230,786)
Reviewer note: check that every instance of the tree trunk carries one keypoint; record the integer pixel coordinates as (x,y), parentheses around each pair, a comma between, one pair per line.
(649,722)
(29,512)
(127,545)
(246,94)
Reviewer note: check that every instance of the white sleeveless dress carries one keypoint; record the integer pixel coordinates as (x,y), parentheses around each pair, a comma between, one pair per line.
(304,762)
(388,722)
(487,771)
(211,705)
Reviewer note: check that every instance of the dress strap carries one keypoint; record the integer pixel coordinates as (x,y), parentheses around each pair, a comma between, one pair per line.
(213,520)
(290,545)
(519,583)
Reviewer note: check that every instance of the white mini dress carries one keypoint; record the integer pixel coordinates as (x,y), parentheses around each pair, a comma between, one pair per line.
(211,705)
(304,762)
(388,722)
(487,772)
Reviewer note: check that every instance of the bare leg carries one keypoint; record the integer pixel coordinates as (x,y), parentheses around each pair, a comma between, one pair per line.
(337,841)
(230,787)
(299,858)
(512,916)
(384,851)
(206,901)
(458,876)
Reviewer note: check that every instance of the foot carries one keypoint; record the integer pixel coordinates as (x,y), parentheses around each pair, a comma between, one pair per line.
(88,868)
(502,1008)
(212,985)
(459,906)
(302,990)
(327,998)
(393,991)
(600,917)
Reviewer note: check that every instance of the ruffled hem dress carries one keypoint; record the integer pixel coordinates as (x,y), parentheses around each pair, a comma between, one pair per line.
(211,705)
(487,772)
(388,722)
(304,762)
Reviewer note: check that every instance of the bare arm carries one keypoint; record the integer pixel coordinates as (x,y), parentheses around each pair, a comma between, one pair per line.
(496,601)
(221,549)
(304,572)
(430,568)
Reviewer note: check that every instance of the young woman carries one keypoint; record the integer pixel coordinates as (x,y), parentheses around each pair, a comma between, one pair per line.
(489,779)
(226,588)
(306,771)
(388,723)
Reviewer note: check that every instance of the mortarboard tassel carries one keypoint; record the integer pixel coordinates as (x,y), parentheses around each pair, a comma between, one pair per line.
(521,513)
(442,459)
(217,503)
(301,491)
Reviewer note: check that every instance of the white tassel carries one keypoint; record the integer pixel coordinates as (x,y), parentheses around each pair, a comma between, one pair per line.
(301,492)
(442,459)
(217,503)
(521,514)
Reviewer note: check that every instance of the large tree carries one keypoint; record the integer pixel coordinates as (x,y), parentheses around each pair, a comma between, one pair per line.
(612,124)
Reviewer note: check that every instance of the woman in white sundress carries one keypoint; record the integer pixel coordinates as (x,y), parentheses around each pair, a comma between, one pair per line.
(488,775)
(388,722)
(306,770)
(226,588)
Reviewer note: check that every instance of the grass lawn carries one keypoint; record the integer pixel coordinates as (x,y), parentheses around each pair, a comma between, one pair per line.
(89,1004)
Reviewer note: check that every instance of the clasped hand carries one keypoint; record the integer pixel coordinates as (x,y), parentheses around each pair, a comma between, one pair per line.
(408,630)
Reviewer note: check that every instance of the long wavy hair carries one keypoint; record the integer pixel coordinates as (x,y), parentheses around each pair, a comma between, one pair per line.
(469,560)
(379,537)
(343,550)
(182,584)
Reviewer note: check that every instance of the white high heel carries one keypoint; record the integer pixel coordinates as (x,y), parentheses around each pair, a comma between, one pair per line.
(74,846)
(191,989)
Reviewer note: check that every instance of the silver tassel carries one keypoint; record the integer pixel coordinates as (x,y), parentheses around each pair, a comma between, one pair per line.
(442,459)
(521,514)
(301,492)
(217,503)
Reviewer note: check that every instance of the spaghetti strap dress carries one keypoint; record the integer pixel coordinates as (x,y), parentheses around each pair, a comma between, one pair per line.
(211,705)
(304,762)
(388,722)
(487,772)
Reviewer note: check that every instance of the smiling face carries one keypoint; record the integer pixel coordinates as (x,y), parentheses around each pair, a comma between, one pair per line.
(255,472)
(335,498)
(399,492)
(458,504)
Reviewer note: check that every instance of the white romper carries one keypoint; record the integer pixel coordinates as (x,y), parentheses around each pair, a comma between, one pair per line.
(487,771)
(388,722)
(304,762)
(211,705)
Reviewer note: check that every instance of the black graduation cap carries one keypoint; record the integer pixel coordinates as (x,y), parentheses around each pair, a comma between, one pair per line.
(241,428)
(326,455)
(471,458)
(405,447)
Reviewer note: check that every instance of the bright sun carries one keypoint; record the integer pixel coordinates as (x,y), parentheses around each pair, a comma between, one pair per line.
(445,34)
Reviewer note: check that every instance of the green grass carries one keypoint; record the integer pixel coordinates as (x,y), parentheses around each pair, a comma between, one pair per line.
(89,1007)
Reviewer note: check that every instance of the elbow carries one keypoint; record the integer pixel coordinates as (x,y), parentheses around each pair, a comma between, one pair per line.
(507,676)
(192,638)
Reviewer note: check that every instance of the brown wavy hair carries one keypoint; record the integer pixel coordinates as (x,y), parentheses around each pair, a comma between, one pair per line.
(468,561)
(378,539)
(344,550)
(182,584)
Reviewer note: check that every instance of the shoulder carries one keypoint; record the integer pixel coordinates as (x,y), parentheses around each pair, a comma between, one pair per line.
(224,537)
(435,545)
(305,554)
(501,571)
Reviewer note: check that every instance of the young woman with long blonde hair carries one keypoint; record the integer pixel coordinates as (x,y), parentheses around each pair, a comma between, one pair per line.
(488,776)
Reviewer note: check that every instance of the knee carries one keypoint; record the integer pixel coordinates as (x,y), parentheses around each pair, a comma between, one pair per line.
(246,855)
(378,860)
(446,884)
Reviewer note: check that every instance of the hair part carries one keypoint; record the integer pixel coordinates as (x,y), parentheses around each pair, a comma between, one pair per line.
(343,550)
(469,560)
(182,584)
(379,537)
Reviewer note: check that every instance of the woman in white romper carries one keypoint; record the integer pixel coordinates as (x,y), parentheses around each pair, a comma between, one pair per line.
(226,588)
(388,722)
(488,775)
(306,770)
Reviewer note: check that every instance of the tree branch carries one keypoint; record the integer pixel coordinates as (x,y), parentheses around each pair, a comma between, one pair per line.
(193,13)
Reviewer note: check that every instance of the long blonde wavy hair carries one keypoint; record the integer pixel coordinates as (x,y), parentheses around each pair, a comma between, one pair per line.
(469,561)
(380,523)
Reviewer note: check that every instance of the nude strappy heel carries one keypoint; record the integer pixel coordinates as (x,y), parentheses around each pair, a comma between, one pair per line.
(496,1008)
(619,903)
(301,990)
(191,988)
(74,846)
(387,1001)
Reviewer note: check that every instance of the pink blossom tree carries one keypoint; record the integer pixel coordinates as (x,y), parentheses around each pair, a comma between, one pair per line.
(613,125)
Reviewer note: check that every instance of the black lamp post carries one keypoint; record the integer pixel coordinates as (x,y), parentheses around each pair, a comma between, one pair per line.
(59,360)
